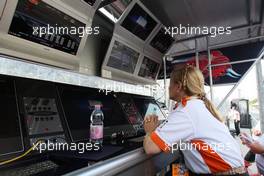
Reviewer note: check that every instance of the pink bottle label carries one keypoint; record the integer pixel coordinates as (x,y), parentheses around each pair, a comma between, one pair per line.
(96,132)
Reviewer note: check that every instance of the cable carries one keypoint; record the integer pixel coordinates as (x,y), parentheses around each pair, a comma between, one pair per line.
(21,156)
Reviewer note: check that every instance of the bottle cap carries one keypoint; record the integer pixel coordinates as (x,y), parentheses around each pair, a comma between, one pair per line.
(98,106)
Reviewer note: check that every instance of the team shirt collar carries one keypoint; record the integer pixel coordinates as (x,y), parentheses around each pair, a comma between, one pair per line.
(184,101)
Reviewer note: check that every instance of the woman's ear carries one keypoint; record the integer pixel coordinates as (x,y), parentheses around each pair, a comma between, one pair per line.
(178,87)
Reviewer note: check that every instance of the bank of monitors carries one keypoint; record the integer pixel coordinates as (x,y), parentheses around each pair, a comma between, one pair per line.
(10,130)
(129,63)
(149,68)
(78,104)
(162,41)
(139,22)
(123,58)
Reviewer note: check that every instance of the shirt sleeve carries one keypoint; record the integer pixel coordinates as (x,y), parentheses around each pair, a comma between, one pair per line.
(178,127)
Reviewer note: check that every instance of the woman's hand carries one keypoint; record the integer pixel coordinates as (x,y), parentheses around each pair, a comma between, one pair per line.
(151,122)
(246,139)
(254,146)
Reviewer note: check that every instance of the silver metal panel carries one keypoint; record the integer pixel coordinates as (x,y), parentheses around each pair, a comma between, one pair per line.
(15,67)
(132,163)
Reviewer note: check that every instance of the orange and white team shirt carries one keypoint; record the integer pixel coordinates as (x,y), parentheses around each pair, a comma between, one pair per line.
(206,143)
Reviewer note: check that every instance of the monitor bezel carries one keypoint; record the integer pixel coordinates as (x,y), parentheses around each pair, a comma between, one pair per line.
(153,59)
(153,36)
(127,12)
(108,55)
(19,47)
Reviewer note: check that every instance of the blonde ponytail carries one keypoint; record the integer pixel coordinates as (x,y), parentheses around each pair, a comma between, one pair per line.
(209,105)
(193,84)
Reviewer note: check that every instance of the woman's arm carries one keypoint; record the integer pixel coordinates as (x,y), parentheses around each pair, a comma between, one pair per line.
(150,147)
(150,124)
(256,147)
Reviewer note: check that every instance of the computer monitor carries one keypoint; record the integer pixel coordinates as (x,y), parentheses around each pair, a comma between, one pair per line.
(78,104)
(11,140)
(148,106)
(29,16)
(139,22)
(162,41)
(149,68)
(123,58)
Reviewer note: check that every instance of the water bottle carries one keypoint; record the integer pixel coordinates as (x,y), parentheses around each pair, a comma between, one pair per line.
(97,126)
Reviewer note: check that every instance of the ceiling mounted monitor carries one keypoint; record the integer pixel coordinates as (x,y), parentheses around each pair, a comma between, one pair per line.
(149,69)
(162,41)
(44,31)
(123,58)
(139,22)
(29,16)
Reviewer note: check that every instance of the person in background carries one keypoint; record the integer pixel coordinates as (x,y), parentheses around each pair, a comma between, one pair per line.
(196,123)
(234,116)
(257,147)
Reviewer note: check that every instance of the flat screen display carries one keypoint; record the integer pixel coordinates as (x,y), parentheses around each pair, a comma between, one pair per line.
(162,41)
(32,16)
(149,68)
(10,132)
(78,105)
(123,58)
(148,107)
(139,22)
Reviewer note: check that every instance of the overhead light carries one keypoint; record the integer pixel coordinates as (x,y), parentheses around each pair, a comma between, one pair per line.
(169,59)
(107,14)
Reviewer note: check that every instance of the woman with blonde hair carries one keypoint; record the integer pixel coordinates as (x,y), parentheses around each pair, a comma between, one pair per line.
(196,123)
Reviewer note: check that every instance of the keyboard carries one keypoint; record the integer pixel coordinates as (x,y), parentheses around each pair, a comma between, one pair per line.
(31,169)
